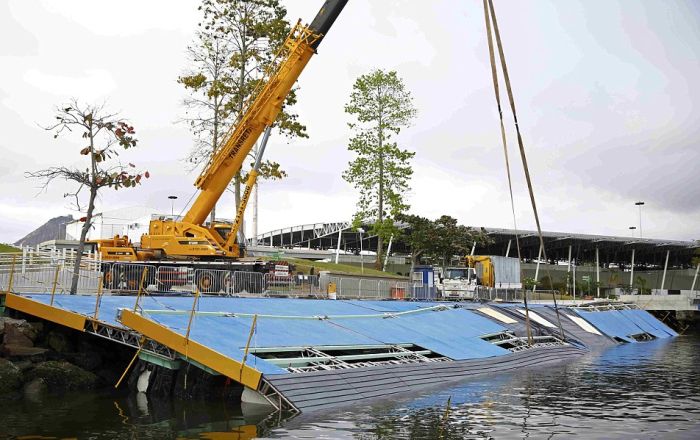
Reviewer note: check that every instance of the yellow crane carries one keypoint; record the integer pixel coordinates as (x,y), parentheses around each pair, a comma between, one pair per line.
(190,238)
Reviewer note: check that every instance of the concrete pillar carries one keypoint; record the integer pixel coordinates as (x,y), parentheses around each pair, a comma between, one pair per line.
(663,277)
(695,278)
(337,249)
(632,270)
(388,249)
(568,270)
(508,248)
(597,272)
(537,269)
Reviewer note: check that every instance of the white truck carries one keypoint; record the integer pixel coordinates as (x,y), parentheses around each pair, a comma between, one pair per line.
(456,282)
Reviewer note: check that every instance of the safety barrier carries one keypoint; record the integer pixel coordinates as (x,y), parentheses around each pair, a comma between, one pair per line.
(129,278)
(34,271)
(513,295)
(175,279)
(379,289)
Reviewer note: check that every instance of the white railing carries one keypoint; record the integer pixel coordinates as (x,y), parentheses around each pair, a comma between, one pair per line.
(379,289)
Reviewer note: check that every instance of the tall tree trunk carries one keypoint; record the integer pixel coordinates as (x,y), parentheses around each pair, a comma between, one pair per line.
(81,245)
(380,214)
(214,146)
(241,101)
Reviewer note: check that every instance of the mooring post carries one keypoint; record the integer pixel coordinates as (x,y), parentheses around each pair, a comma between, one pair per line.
(55,281)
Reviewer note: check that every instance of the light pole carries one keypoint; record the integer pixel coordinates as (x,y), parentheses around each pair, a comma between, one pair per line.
(172,205)
(632,228)
(362,260)
(640,204)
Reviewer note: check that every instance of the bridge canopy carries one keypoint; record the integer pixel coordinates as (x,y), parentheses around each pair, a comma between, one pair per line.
(616,250)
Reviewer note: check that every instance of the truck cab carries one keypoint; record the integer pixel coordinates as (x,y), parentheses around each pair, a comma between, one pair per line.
(457,282)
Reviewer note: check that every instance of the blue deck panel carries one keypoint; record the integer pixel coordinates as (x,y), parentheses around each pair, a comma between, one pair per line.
(649,323)
(612,323)
(455,332)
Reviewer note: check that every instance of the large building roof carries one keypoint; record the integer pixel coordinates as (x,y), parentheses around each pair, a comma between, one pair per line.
(649,252)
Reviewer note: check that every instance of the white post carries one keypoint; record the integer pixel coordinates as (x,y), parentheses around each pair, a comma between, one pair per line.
(695,278)
(24,258)
(508,249)
(568,270)
(574,295)
(362,258)
(537,270)
(337,249)
(597,272)
(632,270)
(388,249)
(663,277)
(254,240)
(473,248)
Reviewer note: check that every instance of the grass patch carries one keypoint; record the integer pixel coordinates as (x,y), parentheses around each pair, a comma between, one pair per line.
(8,248)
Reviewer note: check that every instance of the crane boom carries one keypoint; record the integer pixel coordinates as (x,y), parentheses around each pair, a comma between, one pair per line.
(266,104)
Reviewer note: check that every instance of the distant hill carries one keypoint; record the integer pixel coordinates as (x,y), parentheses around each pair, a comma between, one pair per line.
(51,230)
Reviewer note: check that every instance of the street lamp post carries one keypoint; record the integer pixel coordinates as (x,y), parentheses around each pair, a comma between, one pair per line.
(362,260)
(172,205)
(640,204)
(632,228)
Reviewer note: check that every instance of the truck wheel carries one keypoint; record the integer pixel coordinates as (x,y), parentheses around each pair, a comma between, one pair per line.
(207,282)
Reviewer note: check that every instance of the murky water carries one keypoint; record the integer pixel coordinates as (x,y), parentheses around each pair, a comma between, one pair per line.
(649,390)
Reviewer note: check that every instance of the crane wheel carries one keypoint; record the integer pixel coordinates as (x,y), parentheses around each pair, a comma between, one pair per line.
(207,282)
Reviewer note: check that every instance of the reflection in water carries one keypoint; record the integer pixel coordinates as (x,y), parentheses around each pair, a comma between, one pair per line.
(649,390)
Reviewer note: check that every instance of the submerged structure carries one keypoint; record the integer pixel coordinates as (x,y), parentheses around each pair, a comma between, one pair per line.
(314,354)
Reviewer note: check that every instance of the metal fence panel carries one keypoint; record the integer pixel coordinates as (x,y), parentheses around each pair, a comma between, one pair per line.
(245,284)
(174,279)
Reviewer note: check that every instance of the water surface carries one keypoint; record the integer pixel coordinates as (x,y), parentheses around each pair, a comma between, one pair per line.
(646,390)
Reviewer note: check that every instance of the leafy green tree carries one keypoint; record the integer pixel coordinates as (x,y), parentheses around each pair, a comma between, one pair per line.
(105,134)
(453,239)
(439,240)
(420,236)
(380,106)
(235,45)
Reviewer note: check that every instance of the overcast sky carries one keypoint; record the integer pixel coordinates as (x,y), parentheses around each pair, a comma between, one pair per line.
(607,94)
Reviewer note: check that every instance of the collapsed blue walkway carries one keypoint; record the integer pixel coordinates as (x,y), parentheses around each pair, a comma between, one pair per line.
(458,335)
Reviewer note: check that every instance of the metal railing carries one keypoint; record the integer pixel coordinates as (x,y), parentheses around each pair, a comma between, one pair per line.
(379,289)
(513,295)
(34,271)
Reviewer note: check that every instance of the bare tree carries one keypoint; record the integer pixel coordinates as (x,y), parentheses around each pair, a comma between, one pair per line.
(105,134)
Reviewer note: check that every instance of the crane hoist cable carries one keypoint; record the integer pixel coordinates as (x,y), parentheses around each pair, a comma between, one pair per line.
(521,146)
(497,93)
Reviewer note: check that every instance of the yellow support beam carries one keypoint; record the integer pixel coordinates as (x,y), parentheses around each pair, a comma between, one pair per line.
(224,365)
(40,310)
